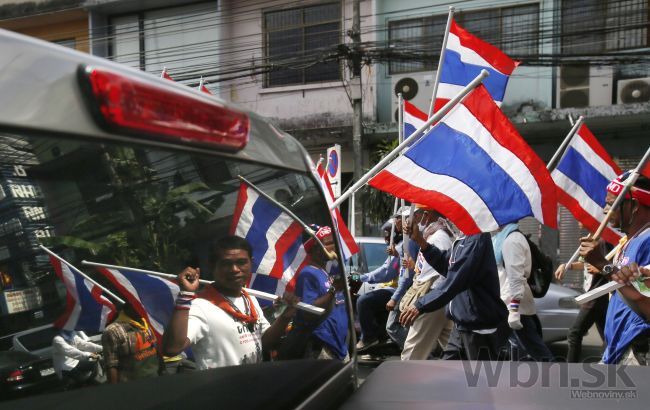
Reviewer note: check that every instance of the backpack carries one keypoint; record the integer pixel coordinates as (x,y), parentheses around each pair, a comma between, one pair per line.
(541,270)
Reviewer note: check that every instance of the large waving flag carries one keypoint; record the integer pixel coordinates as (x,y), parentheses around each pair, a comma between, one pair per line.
(475,169)
(348,244)
(581,177)
(151,296)
(86,308)
(276,239)
(465,56)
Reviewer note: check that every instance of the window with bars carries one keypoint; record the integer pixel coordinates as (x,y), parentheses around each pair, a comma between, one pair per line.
(514,30)
(299,43)
(596,26)
(182,39)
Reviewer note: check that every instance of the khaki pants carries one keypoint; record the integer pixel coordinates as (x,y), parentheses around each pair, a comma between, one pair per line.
(427,330)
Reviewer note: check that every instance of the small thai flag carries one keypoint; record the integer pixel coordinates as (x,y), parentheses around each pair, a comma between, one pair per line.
(581,177)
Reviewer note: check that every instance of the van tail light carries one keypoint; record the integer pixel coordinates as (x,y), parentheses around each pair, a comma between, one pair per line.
(15,376)
(156,111)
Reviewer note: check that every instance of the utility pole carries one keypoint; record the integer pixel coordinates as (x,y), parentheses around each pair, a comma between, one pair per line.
(355,91)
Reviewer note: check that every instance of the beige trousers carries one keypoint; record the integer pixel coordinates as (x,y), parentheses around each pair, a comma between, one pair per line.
(427,330)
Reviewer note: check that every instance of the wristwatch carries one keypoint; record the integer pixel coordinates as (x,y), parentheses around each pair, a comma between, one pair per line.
(609,270)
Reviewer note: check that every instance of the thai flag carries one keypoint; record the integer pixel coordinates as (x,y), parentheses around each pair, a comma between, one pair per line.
(276,239)
(86,308)
(413,118)
(151,296)
(203,88)
(581,177)
(166,75)
(475,169)
(347,242)
(465,56)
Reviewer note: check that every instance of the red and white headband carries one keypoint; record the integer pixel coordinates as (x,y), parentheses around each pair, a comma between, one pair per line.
(616,187)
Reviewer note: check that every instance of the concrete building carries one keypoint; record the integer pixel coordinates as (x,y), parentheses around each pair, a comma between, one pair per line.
(59,21)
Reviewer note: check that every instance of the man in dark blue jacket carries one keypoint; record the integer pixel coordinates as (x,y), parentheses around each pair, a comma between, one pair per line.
(472,292)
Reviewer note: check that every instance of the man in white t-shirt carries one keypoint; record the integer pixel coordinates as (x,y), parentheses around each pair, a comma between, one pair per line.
(430,328)
(224,325)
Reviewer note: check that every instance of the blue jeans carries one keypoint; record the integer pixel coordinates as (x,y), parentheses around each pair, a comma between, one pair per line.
(371,309)
(395,330)
(527,342)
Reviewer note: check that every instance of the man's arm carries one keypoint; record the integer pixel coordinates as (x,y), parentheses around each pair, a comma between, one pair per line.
(436,258)
(111,357)
(69,350)
(272,335)
(515,254)
(467,262)
(636,300)
(88,346)
(386,272)
(175,338)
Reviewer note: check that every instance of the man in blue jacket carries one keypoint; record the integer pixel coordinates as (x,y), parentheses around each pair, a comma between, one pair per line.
(472,292)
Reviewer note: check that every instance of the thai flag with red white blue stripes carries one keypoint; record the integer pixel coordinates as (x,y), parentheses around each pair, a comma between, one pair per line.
(86,308)
(465,56)
(582,176)
(346,240)
(475,169)
(151,296)
(276,239)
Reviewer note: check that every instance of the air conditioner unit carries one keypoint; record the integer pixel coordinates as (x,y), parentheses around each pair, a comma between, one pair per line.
(635,90)
(584,86)
(417,88)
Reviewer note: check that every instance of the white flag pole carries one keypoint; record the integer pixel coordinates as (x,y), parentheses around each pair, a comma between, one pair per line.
(94,282)
(560,151)
(257,293)
(404,145)
(400,138)
(629,182)
(441,60)
(310,232)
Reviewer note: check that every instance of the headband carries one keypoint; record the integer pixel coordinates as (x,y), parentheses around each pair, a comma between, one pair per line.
(616,187)
(321,232)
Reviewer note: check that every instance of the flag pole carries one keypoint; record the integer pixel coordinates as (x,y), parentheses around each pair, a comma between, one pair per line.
(330,255)
(619,199)
(450,17)
(560,151)
(94,282)
(401,147)
(257,293)
(400,138)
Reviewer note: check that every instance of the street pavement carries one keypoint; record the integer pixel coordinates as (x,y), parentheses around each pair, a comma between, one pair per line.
(591,353)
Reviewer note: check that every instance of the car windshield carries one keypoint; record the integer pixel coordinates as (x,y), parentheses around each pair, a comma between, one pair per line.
(375,255)
(144,208)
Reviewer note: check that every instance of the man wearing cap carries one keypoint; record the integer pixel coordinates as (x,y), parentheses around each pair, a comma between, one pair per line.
(627,327)
(324,336)
(430,328)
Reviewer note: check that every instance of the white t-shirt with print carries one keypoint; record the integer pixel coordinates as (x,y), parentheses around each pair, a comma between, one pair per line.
(441,240)
(218,340)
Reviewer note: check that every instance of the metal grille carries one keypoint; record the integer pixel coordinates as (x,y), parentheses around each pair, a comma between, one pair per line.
(570,234)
